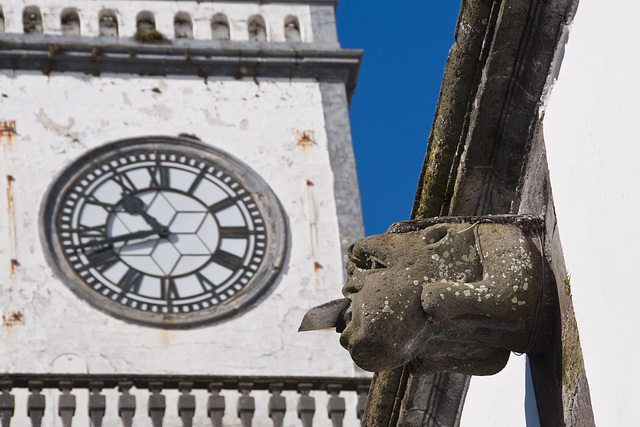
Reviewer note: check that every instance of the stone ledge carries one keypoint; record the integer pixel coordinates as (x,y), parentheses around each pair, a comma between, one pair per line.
(204,59)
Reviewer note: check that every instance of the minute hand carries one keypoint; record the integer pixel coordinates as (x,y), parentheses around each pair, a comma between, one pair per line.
(121,238)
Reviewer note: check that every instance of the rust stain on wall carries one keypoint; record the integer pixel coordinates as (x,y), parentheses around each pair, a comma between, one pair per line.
(11,223)
(313,227)
(12,318)
(304,138)
(7,133)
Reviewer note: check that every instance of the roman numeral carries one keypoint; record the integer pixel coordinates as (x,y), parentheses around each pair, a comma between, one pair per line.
(86,232)
(124,182)
(224,204)
(207,285)
(235,232)
(101,259)
(196,182)
(168,290)
(130,282)
(227,260)
(160,176)
(107,206)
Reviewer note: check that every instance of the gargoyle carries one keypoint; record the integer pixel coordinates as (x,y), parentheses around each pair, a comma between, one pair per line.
(444,294)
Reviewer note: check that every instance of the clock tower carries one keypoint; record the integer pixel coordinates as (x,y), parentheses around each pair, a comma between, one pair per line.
(178,188)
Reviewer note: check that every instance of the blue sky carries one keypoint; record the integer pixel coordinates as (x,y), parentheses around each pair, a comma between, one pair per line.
(405,46)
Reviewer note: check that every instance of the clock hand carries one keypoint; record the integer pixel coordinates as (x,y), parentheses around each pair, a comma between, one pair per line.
(135,206)
(121,238)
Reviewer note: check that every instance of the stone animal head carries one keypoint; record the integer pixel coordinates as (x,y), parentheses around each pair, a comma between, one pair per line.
(453,297)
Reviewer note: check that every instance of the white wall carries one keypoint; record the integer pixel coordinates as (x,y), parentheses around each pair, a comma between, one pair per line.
(592,132)
(60,117)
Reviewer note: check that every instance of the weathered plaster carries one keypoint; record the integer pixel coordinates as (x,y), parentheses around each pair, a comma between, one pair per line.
(59,117)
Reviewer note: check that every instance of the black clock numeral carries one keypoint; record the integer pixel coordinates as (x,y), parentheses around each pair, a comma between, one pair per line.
(168,290)
(130,282)
(94,201)
(160,176)
(235,232)
(196,182)
(207,285)
(123,180)
(223,204)
(86,232)
(101,259)
(227,260)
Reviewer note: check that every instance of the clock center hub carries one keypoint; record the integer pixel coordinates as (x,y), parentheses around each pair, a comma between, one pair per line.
(187,236)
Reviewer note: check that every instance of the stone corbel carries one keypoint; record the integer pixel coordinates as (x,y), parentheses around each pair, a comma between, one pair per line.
(454,294)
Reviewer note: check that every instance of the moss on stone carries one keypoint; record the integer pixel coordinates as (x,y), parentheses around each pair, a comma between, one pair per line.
(572,361)
(151,36)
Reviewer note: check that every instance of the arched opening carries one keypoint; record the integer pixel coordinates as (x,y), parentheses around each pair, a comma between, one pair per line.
(108,23)
(257,29)
(220,27)
(70,22)
(32,20)
(146,28)
(182,26)
(145,22)
(291,29)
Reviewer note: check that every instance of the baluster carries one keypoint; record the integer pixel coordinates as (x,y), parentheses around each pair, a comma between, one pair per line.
(126,403)
(215,405)
(97,404)
(336,406)
(277,404)
(186,404)
(66,403)
(363,392)
(7,403)
(306,405)
(36,403)
(157,403)
(246,404)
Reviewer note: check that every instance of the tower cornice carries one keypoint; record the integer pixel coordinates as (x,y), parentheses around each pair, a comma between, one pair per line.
(237,60)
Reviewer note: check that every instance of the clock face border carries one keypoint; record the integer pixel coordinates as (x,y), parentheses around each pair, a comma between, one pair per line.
(264,278)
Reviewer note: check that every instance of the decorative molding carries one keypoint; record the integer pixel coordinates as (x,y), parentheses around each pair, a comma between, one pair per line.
(237,60)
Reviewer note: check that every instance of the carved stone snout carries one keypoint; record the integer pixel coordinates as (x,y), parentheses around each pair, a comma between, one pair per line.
(454,296)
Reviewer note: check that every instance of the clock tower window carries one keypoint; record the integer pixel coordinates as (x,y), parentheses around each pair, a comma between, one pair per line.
(70,22)
(108,22)
(257,29)
(182,25)
(292,29)
(32,20)
(220,27)
(145,22)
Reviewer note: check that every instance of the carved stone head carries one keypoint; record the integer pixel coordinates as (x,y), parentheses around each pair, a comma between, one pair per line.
(453,297)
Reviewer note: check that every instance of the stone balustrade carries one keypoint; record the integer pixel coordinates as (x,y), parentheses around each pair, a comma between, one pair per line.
(154,21)
(132,397)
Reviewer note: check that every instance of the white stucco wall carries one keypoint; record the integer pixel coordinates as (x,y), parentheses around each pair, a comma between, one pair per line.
(60,117)
(592,134)
(497,400)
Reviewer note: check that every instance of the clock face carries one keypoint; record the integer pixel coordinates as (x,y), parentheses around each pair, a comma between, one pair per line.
(163,231)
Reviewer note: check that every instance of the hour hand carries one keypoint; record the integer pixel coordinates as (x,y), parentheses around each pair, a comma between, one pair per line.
(135,206)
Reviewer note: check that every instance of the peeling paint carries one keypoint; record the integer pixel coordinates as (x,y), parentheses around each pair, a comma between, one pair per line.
(47,123)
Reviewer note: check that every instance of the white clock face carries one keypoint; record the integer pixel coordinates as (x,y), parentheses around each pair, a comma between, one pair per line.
(166,232)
